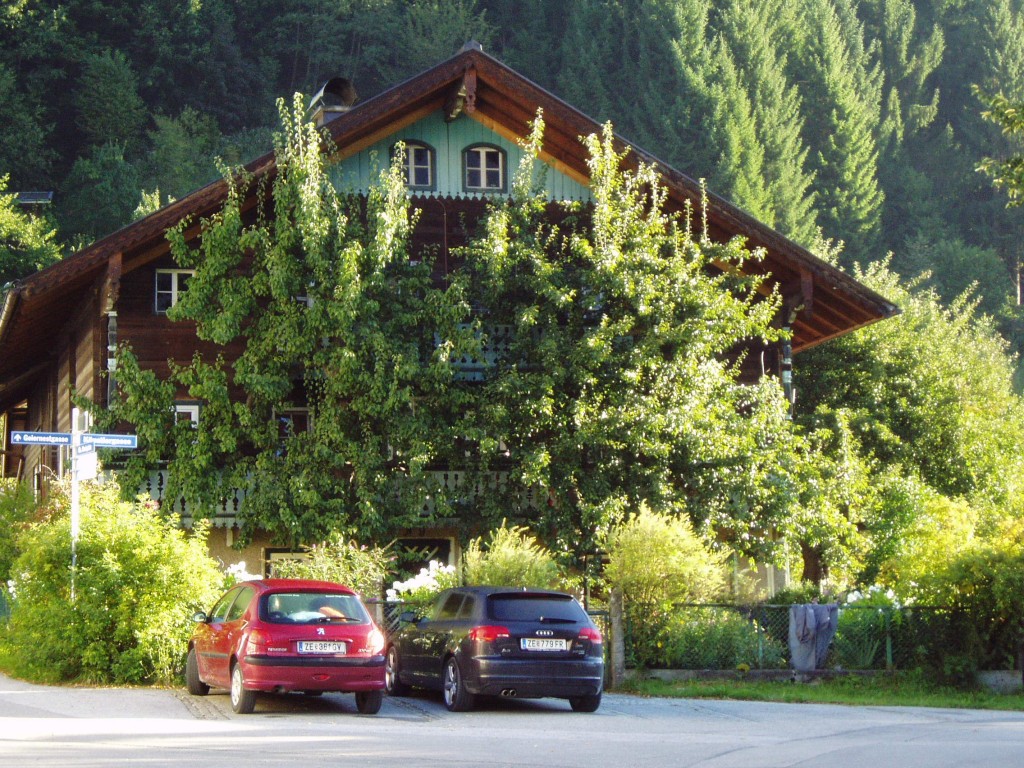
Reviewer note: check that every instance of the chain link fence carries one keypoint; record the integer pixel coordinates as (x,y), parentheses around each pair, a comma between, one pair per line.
(729,637)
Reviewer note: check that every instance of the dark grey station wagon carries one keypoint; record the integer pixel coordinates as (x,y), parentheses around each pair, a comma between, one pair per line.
(499,641)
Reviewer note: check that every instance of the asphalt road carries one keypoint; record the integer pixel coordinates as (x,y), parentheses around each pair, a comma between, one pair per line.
(75,727)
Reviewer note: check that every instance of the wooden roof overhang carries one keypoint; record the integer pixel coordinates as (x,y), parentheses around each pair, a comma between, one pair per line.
(825,301)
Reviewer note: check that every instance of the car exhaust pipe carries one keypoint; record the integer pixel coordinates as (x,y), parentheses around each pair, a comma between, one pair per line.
(508,693)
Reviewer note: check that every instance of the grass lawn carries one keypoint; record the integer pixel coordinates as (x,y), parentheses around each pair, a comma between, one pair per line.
(900,689)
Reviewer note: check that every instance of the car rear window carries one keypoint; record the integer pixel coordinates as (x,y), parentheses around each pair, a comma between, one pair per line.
(311,608)
(526,607)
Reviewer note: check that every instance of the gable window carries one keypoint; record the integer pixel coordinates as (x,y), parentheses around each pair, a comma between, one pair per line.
(484,168)
(419,165)
(170,284)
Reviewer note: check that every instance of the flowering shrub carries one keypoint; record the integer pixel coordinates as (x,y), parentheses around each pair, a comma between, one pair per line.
(422,588)
(237,572)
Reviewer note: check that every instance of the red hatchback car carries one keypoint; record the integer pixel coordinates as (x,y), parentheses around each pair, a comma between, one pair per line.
(283,635)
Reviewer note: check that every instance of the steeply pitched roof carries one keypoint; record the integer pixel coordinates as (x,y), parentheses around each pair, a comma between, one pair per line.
(38,307)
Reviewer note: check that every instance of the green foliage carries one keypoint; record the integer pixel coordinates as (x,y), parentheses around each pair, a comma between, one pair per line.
(510,556)
(614,387)
(138,581)
(107,102)
(1007,173)
(17,510)
(657,561)
(919,425)
(712,638)
(985,584)
(27,243)
(360,567)
(104,190)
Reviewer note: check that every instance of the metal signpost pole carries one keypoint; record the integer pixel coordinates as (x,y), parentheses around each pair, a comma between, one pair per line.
(75,496)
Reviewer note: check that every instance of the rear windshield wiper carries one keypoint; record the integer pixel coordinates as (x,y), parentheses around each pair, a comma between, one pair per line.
(555,620)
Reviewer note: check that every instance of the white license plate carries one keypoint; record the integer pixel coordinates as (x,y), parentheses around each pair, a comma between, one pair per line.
(541,644)
(320,646)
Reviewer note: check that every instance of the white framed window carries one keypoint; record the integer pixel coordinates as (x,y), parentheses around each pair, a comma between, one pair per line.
(484,168)
(419,165)
(186,413)
(170,284)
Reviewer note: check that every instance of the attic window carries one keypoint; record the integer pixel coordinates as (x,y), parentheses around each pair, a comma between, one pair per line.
(170,284)
(484,169)
(419,165)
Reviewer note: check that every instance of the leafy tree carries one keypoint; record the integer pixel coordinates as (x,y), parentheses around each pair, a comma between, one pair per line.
(953,268)
(27,243)
(430,31)
(931,424)
(613,387)
(24,150)
(355,352)
(17,509)
(1007,173)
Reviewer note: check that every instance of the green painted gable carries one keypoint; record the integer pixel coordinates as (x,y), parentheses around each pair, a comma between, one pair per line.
(357,173)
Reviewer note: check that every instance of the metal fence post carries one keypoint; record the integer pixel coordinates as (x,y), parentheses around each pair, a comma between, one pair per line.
(888,639)
(618,658)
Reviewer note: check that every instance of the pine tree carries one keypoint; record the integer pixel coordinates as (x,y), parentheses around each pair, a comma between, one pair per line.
(759,32)
(739,167)
(842,108)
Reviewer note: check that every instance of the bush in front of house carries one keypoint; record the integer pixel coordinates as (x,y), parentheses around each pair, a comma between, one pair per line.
(139,579)
(17,509)
(657,562)
(359,567)
(510,557)
(714,637)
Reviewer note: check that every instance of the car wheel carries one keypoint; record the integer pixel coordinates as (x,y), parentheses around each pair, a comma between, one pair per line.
(585,703)
(368,702)
(392,684)
(195,686)
(456,697)
(242,701)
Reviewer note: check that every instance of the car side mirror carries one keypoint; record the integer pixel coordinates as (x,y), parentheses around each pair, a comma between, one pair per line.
(409,617)
(199,617)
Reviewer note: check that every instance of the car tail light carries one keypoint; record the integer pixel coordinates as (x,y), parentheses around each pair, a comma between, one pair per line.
(255,643)
(488,633)
(591,634)
(375,642)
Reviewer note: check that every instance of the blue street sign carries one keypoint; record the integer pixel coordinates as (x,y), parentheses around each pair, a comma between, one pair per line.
(40,438)
(111,441)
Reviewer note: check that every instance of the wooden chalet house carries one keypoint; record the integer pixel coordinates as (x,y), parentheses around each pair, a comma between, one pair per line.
(460,121)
